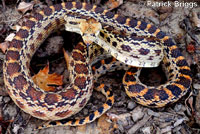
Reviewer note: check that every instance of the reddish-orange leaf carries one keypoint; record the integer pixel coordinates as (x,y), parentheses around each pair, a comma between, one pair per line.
(43,79)
(191,47)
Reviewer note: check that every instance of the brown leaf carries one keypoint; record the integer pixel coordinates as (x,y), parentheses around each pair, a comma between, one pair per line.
(104,126)
(43,79)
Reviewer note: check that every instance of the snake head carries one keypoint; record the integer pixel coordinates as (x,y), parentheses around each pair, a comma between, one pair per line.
(90,30)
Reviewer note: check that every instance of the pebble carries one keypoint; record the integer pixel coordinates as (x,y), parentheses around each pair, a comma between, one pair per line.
(120,125)
(177,129)
(164,125)
(6,99)
(85,111)
(124,119)
(123,122)
(196,85)
(121,104)
(166,130)
(150,112)
(9,112)
(178,107)
(1,98)
(131,105)
(100,97)
(137,113)
(139,124)
(198,75)
(52,48)
(179,121)
(146,130)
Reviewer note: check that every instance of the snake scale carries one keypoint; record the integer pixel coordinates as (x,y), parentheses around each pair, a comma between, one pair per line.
(56,106)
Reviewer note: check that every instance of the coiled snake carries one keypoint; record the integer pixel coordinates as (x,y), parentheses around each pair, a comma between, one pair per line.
(146,48)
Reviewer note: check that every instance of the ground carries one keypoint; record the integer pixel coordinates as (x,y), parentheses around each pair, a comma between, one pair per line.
(181,23)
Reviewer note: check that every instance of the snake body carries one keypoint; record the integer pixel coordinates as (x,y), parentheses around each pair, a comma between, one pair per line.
(55,106)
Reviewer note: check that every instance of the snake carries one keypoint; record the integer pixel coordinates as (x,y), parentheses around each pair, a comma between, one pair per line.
(114,36)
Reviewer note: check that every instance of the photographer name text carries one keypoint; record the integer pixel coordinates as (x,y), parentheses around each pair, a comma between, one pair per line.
(176,4)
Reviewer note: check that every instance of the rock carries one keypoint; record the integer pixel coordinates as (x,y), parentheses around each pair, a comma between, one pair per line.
(139,124)
(137,113)
(131,105)
(196,85)
(146,130)
(6,99)
(178,107)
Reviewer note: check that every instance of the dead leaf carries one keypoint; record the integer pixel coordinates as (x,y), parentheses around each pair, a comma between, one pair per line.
(67,57)
(4,46)
(43,79)
(16,28)
(195,19)
(10,37)
(104,125)
(24,7)
(112,4)
(82,128)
